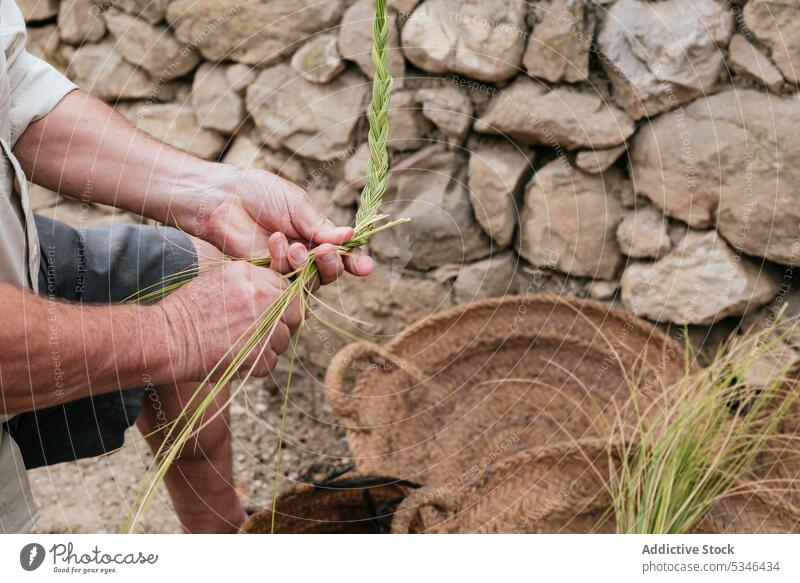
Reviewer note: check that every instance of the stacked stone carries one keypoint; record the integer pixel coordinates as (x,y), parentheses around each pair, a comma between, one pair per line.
(633,151)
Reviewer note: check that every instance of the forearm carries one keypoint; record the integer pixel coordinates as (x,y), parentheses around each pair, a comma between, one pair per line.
(54,352)
(87,151)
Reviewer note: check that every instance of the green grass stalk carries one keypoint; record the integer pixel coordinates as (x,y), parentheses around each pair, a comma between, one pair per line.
(692,448)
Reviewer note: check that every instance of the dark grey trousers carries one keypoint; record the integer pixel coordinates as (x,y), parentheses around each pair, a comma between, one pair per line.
(97,265)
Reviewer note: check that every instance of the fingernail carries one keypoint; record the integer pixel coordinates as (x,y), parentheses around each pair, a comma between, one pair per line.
(299,255)
(365,263)
(328,258)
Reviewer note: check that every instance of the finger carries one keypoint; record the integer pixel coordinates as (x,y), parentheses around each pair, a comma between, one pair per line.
(329,263)
(358,263)
(278,250)
(298,254)
(280,337)
(293,316)
(265,364)
(316,227)
(315,285)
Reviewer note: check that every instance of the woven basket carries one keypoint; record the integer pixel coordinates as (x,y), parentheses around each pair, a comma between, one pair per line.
(463,387)
(351,504)
(499,410)
(559,488)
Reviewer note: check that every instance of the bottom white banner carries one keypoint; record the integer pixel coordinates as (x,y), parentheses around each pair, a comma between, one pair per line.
(357,558)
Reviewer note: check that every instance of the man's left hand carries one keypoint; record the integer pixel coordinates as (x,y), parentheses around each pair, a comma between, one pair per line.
(257,213)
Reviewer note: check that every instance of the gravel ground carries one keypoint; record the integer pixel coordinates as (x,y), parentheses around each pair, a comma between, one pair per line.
(93,495)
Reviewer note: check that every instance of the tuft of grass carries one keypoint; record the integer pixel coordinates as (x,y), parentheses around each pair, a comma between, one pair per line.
(692,447)
(369,221)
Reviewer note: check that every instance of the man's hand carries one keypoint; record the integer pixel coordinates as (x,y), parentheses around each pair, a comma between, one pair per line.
(211,317)
(87,151)
(255,213)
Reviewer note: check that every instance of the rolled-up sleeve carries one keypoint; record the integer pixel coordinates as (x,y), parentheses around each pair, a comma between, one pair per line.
(35,86)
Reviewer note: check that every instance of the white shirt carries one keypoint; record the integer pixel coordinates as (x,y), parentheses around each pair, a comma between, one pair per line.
(29,90)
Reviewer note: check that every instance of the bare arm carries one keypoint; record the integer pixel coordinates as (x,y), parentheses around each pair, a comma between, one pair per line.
(85,150)
(54,352)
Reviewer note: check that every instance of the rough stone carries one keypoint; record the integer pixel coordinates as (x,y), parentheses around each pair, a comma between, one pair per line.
(38,10)
(443,228)
(101,70)
(597,161)
(643,233)
(326,203)
(80,21)
(662,54)
(355,169)
(725,161)
(404,7)
(482,39)
(345,194)
(495,172)
(563,117)
(176,125)
(240,76)
(250,32)
(318,60)
(151,10)
(627,196)
(774,23)
(286,165)
(409,127)
(558,48)
(750,63)
(314,120)
(216,106)
(569,221)
(603,290)
(152,47)
(43,42)
(487,278)
(244,152)
(770,366)
(355,40)
(701,281)
(448,108)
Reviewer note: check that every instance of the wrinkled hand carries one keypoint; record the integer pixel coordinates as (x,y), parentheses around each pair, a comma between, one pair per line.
(211,316)
(262,214)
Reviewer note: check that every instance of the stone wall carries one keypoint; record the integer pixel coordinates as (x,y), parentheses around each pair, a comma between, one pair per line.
(637,152)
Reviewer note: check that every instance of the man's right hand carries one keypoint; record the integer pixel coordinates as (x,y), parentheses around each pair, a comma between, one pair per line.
(212,316)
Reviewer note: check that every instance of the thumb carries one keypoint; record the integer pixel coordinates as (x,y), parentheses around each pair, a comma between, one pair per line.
(317,228)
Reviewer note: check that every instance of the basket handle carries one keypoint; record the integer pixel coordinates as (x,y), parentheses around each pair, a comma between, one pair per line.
(340,376)
(433,507)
